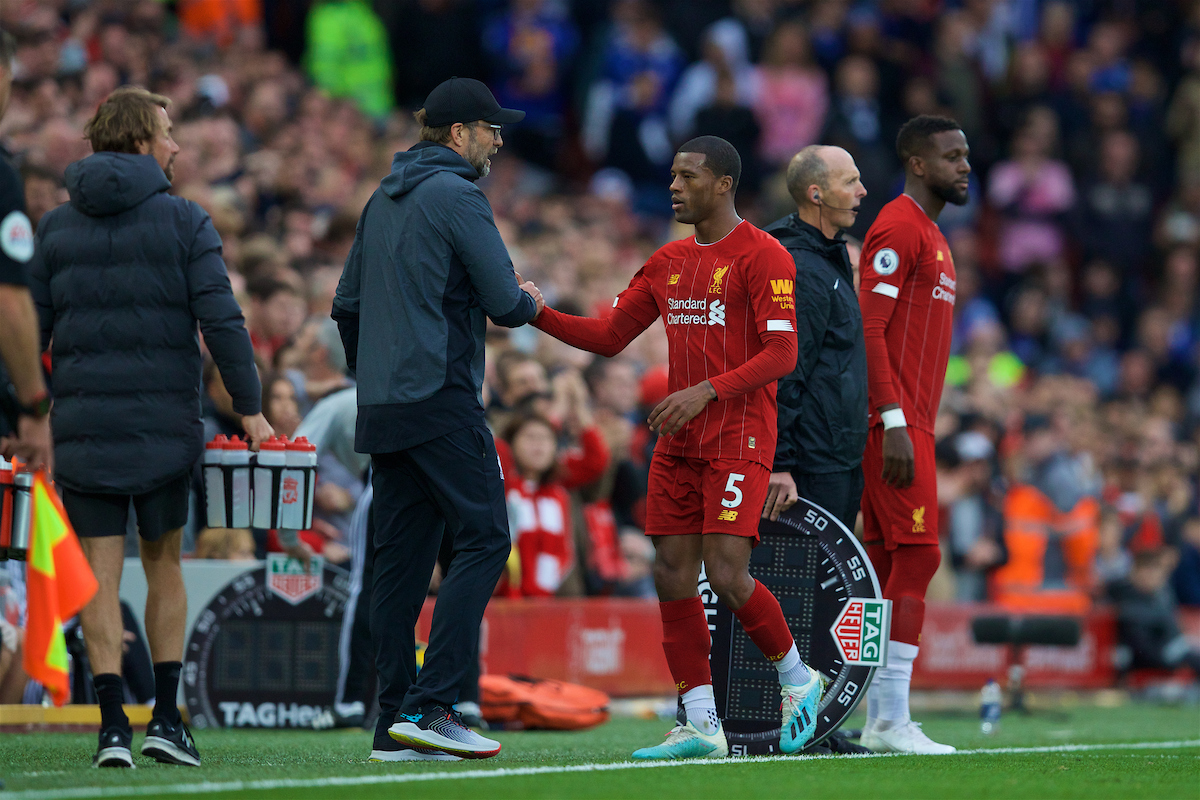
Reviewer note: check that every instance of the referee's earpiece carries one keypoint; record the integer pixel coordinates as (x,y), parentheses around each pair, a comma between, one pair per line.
(817,198)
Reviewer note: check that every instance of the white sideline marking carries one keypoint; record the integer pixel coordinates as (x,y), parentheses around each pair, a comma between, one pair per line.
(513,772)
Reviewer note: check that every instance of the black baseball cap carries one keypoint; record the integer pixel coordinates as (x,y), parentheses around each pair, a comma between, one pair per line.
(466,100)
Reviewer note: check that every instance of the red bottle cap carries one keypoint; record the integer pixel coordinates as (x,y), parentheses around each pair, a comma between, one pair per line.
(236,443)
(302,443)
(218,443)
(274,443)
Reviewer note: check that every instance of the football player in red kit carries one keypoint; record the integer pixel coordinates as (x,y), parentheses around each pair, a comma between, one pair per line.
(726,297)
(907,298)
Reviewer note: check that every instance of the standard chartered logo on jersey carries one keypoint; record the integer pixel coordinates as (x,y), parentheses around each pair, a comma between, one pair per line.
(687,308)
(945,288)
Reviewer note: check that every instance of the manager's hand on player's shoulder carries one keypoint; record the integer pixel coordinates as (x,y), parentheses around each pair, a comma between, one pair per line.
(781,495)
(669,416)
(899,465)
(258,429)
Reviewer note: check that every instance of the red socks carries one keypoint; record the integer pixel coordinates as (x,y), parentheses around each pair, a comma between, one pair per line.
(686,642)
(763,620)
(910,568)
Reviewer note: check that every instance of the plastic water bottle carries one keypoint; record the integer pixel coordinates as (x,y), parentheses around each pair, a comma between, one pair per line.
(302,468)
(214,483)
(272,457)
(989,707)
(236,463)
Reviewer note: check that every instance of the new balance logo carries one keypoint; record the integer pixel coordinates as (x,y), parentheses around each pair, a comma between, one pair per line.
(674,279)
(716,313)
(727,515)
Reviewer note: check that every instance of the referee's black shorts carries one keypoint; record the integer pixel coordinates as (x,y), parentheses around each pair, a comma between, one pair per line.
(157,511)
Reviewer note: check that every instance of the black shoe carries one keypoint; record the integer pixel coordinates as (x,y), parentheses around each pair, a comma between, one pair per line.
(114,748)
(170,744)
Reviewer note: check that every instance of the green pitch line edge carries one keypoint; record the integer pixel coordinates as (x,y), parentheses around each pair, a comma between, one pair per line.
(511,772)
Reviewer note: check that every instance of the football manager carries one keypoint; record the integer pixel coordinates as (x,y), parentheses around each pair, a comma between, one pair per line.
(823,402)
(427,266)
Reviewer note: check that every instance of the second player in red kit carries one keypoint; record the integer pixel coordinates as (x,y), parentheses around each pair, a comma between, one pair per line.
(727,298)
(907,296)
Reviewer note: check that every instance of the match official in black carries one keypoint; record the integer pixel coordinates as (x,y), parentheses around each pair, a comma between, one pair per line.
(823,403)
(427,268)
(25,423)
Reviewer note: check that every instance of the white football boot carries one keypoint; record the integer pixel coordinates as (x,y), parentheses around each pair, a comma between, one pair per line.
(905,737)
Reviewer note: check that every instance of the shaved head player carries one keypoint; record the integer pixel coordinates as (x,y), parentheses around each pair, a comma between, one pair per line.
(726,297)
(907,298)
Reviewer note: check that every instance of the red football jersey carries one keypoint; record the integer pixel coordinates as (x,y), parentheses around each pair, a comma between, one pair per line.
(906,291)
(718,301)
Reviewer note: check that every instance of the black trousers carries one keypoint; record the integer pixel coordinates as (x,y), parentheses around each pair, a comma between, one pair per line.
(451,484)
(839,493)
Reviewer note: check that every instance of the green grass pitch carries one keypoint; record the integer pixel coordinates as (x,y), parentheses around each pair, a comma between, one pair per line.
(1122,754)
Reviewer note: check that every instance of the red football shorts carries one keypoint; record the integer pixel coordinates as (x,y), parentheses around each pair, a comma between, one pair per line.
(900,516)
(688,495)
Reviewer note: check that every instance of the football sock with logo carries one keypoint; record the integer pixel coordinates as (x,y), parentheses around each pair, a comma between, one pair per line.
(763,620)
(912,567)
(166,688)
(891,686)
(110,694)
(686,642)
(701,706)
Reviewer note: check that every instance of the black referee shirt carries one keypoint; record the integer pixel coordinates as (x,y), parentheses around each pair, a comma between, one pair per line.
(16,233)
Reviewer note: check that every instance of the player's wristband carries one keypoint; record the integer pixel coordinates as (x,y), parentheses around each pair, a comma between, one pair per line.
(893,418)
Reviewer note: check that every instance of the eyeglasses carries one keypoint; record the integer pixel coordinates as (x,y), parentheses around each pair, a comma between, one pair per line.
(496,129)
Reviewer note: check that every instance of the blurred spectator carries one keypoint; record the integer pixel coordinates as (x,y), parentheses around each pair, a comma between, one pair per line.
(1115,210)
(1146,622)
(218,20)
(230,544)
(348,54)
(44,190)
(531,47)
(625,124)
(276,315)
(725,56)
(791,96)
(279,404)
(1032,191)
(539,508)
(1051,526)
(1186,579)
(431,40)
(320,363)
(855,123)
(975,525)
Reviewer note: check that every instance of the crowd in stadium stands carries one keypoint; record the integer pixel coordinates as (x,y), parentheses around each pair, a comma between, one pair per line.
(1069,438)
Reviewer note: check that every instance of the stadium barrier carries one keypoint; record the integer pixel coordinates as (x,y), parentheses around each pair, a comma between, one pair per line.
(615,645)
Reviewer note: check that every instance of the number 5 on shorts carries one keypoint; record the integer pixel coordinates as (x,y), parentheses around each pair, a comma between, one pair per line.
(731,486)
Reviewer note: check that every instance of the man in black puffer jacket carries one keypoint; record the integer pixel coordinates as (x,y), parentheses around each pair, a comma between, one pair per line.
(823,403)
(121,277)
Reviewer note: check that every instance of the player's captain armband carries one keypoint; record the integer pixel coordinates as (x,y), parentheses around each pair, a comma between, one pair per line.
(887,290)
(886,262)
(893,418)
(780,325)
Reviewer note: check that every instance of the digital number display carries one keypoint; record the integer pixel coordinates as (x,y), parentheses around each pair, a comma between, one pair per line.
(254,655)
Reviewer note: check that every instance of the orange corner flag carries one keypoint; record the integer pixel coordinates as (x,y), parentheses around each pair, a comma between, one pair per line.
(58,583)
